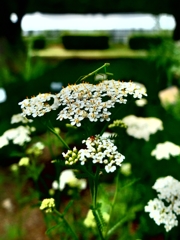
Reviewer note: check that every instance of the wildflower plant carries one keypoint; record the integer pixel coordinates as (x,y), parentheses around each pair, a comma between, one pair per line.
(166,207)
(84,105)
(86,111)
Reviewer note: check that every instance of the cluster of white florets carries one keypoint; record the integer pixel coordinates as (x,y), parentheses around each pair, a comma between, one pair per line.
(166,150)
(82,101)
(165,208)
(142,128)
(18,136)
(68,177)
(99,150)
(17,118)
(39,105)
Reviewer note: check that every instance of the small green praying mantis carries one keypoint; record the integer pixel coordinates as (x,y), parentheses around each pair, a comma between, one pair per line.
(95,72)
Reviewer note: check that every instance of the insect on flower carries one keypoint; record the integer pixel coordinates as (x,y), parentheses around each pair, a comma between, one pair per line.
(92,138)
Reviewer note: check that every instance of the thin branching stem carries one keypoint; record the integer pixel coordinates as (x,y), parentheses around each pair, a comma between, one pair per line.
(67,225)
(59,137)
(113,202)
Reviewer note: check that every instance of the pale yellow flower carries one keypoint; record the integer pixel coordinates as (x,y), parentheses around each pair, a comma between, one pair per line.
(126,169)
(47,205)
(90,222)
(168,96)
(24,161)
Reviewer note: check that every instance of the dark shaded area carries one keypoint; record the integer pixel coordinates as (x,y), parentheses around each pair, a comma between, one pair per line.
(11,31)
(175,9)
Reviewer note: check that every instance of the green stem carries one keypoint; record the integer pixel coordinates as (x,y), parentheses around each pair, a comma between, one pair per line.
(117,225)
(94,191)
(95,187)
(67,226)
(96,216)
(59,137)
(113,202)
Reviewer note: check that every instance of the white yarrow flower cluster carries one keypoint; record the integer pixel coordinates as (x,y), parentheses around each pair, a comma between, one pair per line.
(141,102)
(38,106)
(84,100)
(19,136)
(165,150)
(166,207)
(68,177)
(142,128)
(99,150)
(169,96)
(16,118)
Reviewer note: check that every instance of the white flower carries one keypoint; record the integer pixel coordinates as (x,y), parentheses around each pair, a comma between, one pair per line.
(7,204)
(68,177)
(110,168)
(99,150)
(84,100)
(18,135)
(126,169)
(76,120)
(168,188)
(39,105)
(107,135)
(140,127)
(165,208)
(16,118)
(3,141)
(141,102)
(3,95)
(169,96)
(165,150)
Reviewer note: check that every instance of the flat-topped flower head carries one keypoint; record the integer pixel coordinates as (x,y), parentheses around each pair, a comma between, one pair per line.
(99,150)
(39,105)
(166,207)
(84,100)
(68,177)
(18,136)
(165,150)
(90,101)
(16,118)
(142,128)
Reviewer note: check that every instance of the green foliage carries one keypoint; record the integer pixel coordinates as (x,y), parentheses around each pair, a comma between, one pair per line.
(39,42)
(167,61)
(146,41)
(85,41)
(128,203)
